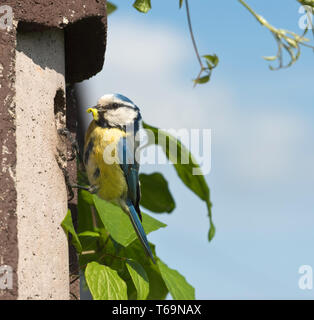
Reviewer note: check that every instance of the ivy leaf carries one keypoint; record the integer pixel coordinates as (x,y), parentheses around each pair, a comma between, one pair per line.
(67,225)
(156,196)
(118,224)
(212,60)
(195,182)
(110,8)
(202,80)
(139,277)
(142,5)
(179,288)
(180,4)
(105,283)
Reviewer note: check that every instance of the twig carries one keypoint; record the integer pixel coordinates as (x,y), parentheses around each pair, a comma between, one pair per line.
(287,40)
(192,34)
(207,70)
(76,298)
(72,281)
(93,216)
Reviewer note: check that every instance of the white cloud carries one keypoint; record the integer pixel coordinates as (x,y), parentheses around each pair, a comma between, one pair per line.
(137,48)
(267,146)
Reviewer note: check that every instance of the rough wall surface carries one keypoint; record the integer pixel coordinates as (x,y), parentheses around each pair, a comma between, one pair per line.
(41,190)
(84,26)
(8,220)
(71,124)
(56,13)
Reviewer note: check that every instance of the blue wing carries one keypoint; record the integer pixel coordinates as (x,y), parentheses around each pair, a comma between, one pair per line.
(130,168)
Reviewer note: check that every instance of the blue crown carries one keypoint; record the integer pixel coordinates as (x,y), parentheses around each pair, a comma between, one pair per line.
(123,98)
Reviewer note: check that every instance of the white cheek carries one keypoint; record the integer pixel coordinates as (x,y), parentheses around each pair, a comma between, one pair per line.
(121,116)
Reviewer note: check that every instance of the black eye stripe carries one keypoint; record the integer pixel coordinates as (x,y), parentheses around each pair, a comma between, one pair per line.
(104,112)
(112,106)
(115,106)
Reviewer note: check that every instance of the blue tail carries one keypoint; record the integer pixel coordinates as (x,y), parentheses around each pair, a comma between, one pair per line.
(139,229)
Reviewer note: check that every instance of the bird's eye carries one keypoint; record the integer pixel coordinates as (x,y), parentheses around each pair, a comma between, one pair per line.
(115,105)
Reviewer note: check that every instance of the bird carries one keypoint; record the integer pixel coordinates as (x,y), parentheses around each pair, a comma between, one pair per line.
(110,157)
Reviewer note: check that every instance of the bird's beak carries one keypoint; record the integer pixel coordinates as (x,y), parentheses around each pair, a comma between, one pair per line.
(94,111)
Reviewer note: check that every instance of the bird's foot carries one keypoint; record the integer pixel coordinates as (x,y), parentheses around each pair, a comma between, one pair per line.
(91,189)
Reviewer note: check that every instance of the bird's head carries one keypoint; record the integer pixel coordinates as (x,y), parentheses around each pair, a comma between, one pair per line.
(115,111)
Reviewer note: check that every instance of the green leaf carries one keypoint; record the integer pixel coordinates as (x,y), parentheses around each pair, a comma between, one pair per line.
(307,2)
(67,225)
(87,197)
(157,286)
(212,229)
(180,4)
(212,60)
(110,8)
(151,224)
(105,283)
(103,254)
(84,211)
(89,234)
(89,240)
(273,58)
(156,196)
(179,288)
(195,183)
(118,224)
(202,80)
(140,279)
(142,5)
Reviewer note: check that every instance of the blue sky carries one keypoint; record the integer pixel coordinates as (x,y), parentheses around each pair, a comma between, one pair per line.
(262,177)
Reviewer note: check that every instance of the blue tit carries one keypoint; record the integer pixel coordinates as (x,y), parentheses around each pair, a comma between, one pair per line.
(109,157)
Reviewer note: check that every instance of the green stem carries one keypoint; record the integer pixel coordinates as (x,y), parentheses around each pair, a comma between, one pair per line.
(250,9)
(259,18)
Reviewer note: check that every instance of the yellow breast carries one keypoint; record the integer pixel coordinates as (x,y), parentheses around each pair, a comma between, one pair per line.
(101,161)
